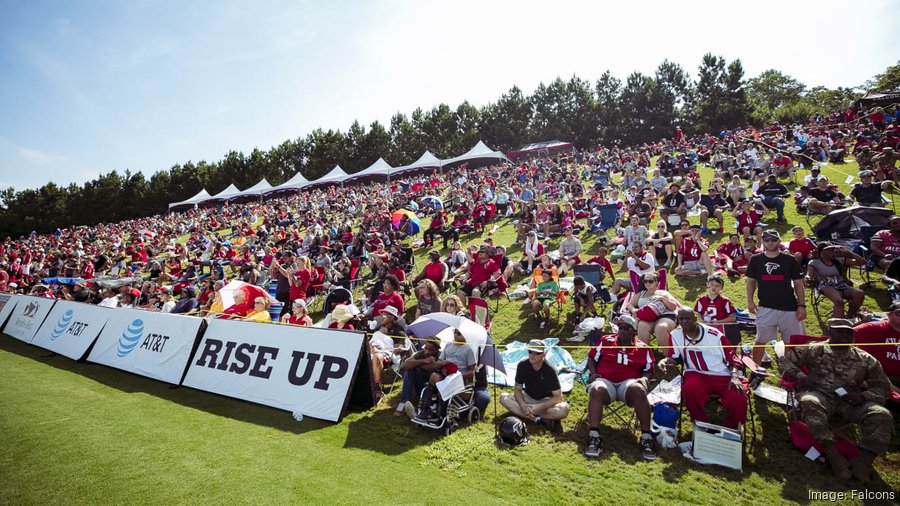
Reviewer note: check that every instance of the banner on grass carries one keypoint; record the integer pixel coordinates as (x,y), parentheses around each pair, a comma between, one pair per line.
(28,316)
(71,328)
(7,304)
(299,369)
(156,345)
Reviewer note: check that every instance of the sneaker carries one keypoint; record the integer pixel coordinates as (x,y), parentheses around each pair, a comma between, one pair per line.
(549,424)
(543,323)
(409,409)
(668,262)
(594,445)
(648,447)
(577,338)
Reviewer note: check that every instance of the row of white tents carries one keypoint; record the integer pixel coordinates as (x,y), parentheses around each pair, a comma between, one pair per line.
(379,169)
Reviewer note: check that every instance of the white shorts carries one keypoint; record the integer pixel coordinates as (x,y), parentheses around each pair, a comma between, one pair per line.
(770,322)
(616,391)
(693,265)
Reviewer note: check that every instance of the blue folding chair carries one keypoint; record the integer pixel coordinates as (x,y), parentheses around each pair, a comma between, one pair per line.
(609,218)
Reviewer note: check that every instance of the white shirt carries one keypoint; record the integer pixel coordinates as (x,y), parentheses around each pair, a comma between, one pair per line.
(646,258)
(712,354)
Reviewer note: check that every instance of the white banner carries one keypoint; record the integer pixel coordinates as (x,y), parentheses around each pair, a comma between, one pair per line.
(156,345)
(7,304)
(298,369)
(71,327)
(28,316)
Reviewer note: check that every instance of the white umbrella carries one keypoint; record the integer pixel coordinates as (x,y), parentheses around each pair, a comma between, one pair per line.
(442,325)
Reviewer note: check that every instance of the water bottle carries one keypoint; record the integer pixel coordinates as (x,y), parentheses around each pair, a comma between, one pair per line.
(298,416)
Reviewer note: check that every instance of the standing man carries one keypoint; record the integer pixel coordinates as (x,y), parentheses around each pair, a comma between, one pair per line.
(845,381)
(620,370)
(780,309)
(711,367)
(538,396)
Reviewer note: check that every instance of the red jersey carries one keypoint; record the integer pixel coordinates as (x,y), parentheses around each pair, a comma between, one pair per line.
(712,310)
(383,301)
(889,243)
(711,354)
(482,272)
(732,251)
(880,332)
(690,250)
(748,219)
(616,363)
(604,262)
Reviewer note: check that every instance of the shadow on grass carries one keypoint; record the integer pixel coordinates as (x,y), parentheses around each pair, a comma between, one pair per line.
(131,383)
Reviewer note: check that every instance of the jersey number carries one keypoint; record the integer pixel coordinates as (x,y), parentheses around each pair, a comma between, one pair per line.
(696,358)
(622,358)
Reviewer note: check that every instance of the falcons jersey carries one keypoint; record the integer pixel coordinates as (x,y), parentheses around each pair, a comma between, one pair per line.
(689,249)
(712,310)
(620,363)
(710,354)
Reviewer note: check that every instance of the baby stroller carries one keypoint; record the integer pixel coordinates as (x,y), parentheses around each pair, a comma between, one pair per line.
(437,413)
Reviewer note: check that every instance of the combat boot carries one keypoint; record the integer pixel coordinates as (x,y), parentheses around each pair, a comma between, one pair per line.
(862,465)
(839,464)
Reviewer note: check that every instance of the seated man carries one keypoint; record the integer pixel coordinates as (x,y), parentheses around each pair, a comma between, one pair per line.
(828,274)
(712,205)
(569,251)
(885,244)
(620,369)
(640,261)
(773,194)
(435,270)
(865,192)
(482,276)
(674,202)
(693,259)
(871,336)
(392,325)
(711,366)
(844,381)
(417,370)
(538,396)
(823,199)
(456,356)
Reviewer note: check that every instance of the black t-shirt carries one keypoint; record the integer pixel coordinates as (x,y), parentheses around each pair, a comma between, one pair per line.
(826,195)
(711,203)
(642,209)
(539,384)
(673,199)
(774,278)
(867,195)
(772,190)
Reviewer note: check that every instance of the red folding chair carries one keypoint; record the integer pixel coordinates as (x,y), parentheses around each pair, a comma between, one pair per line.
(481,312)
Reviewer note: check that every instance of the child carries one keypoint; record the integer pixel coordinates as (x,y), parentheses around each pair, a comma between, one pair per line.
(715,307)
(545,294)
(748,219)
(733,253)
(801,247)
(583,297)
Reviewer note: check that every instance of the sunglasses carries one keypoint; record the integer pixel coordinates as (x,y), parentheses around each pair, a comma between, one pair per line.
(650,281)
(770,239)
(535,352)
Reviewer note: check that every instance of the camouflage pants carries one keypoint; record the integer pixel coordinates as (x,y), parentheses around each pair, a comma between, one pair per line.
(876,425)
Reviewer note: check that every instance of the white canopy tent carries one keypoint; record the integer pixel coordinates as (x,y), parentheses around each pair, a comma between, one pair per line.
(256,190)
(479,152)
(225,194)
(295,183)
(426,161)
(336,176)
(379,168)
(200,197)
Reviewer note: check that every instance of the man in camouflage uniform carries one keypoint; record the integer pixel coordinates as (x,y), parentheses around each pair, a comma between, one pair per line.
(885,163)
(835,384)
(864,158)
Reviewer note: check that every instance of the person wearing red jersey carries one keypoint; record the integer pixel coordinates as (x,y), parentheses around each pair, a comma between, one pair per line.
(886,243)
(711,367)
(620,369)
(693,259)
(870,337)
(482,276)
(604,262)
(732,255)
(715,307)
(748,219)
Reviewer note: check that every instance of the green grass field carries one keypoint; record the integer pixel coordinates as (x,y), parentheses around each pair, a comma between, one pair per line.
(79,433)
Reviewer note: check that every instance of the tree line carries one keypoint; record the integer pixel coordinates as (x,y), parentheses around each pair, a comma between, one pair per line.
(642,108)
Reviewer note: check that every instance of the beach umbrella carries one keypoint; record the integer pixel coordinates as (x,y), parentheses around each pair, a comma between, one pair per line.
(415,224)
(441,325)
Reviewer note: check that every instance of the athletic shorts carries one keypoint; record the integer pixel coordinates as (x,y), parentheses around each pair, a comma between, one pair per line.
(616,391)
(770,322)
(693,265)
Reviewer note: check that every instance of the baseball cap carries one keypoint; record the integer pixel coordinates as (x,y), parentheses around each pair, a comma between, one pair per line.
(300,302)
(839,324)
(627,319)
(815,168)
(536,345)
(866,173)
(434,253)
(772,232)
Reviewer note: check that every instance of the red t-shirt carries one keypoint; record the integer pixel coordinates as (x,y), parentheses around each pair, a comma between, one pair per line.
(804,246)
(619,364)
(434,271)
(383,301)
(482,272)
(880,332)
(714,310)
(298,290)
(604,262)
(399,273)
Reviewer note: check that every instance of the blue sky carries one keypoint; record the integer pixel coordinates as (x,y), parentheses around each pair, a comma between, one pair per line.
(87,87)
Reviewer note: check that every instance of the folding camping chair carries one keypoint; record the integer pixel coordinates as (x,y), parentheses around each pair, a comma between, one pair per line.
(592,275)
(481,312)
(866,233)
(609,218)
(613,409)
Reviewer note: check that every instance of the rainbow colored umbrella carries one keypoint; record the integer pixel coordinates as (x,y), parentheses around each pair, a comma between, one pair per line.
(414,224)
